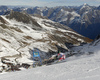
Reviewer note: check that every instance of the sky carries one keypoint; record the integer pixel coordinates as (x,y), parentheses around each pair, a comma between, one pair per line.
(50,3)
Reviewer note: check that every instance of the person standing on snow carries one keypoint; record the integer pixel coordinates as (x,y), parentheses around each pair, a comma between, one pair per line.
(61,56)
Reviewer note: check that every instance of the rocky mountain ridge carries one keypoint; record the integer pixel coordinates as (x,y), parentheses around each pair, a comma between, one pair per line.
(20,33)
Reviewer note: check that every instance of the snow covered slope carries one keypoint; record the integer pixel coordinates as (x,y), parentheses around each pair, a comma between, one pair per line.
(86,67)
(20,33)
(90,48)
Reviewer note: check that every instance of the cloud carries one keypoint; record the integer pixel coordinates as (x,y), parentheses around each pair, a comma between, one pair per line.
(49,3)
(69,2)
(89,0)
(22,2)
(98,0)
(59,2)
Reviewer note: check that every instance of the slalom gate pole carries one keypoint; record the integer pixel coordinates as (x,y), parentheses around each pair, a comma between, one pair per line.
(39,57)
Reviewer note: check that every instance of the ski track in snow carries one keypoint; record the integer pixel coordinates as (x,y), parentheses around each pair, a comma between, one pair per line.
(83,68)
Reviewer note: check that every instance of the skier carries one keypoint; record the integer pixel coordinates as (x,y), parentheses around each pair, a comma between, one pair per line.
(61,56)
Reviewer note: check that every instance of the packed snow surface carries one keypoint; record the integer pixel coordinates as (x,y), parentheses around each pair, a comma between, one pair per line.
(85,67)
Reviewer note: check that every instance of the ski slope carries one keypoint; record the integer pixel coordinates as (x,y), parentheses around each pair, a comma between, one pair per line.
(85,67)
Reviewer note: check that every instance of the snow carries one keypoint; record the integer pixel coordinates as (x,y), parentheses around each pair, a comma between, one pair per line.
(25,60)
(41,45)
(93,47)
(80,40)
(77,67)
(86,67)
(64,15)
(85,6)
(74,15)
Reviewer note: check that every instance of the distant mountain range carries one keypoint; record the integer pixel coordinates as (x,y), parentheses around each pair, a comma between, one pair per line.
(84,19)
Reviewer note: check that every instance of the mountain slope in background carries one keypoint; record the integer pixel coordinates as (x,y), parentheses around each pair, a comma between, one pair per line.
(20,33)
(90,48)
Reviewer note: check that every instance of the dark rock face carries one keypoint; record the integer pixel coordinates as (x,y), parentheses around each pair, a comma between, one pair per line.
(25,18)
(98,36)
(3,9)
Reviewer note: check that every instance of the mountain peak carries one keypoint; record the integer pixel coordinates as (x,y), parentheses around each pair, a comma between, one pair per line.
(85,4)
